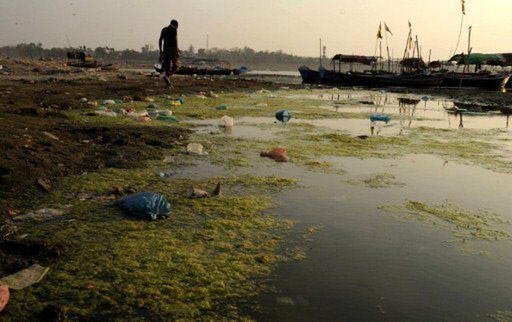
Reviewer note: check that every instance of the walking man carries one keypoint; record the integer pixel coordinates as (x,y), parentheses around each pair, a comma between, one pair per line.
(169,51)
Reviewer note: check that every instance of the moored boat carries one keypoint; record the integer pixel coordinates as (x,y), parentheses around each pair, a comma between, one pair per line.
(478,80)
(309,76)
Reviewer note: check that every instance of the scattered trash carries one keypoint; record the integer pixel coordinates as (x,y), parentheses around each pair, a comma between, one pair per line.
(165,112)
(211,94)
(44,184)
(25,278)
(109,102)
(165,175)
(167,118)
(145,205)
(39,215)
(149,99)
(221,108)
(84,100)
(106,113)
(227,121)
(169,159)
(425,98)
(152,106)
(199,194)
(180,100)
(196,148)
(4,296)
(380,118)
(144,119)
(92,103)
(218,190)
(51,136)
(284,116)
(262,105)
(276,154)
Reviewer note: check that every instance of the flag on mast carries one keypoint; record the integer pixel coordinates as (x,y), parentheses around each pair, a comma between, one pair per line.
(387,28)
(410,25)
(463,7)
(379,33)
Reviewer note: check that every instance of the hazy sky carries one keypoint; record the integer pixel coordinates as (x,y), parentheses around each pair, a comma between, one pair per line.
(295,26)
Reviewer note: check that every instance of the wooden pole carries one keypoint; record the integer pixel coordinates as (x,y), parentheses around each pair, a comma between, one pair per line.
(387,48)
(320,52)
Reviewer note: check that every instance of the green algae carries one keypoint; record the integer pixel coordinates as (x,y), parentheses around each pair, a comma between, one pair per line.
(501,316)
(377,181)
(206,261)
(464,224)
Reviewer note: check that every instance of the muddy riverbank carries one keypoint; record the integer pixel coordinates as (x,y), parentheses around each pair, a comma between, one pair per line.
(353,225)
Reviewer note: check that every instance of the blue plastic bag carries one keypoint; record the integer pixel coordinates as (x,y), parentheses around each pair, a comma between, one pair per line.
(284,116)
(145,205)
(380,118)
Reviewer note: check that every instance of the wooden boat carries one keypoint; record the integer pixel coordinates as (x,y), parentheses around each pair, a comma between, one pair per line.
(412,80)
(309,76)
(478,80)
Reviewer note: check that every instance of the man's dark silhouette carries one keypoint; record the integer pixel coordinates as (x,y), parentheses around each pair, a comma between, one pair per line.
(169,50)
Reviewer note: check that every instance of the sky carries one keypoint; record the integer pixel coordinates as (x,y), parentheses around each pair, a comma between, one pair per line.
(294,26)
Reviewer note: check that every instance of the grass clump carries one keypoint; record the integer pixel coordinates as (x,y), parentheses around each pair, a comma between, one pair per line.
(465,224)
(378,180)
(501,316)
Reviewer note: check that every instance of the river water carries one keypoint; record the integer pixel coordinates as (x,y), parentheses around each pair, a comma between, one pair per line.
(364,264)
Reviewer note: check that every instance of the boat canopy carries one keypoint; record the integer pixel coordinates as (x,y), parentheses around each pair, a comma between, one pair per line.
(483,59)
(365,60)
(416,63)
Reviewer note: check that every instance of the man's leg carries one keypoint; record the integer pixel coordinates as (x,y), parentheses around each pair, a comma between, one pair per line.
(166,67)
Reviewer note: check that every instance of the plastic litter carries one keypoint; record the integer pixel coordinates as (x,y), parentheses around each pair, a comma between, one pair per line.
(425,98)
(145,205)
(380,118)
(106,113)
(196,148)
(227,121)
(262,105)
(175,103)
(25,278)
(39,215)
(284,116)
(152,106)
(4,296)
(109,102)
(277,154)
(211,94)
(221,108)
(102,108)
(165,112)
(167,118)
(144,119)
(180,99)
(199,194)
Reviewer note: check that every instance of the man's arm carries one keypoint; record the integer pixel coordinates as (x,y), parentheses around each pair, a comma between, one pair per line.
(160,43)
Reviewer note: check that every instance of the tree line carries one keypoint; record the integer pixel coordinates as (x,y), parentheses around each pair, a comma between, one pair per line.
(237,56)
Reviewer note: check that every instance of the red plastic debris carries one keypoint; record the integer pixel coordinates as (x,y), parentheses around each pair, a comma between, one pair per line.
(4,297)
(277,154)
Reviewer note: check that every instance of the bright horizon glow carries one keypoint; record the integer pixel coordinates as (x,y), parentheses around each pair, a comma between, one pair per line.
(294,26)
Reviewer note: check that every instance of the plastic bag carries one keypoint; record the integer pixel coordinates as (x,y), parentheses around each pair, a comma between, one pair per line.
(25,278)
(4,297)
(195,148)
(276,154)
(284,116)
(380,118)
(146,205)
(227,121)
(221,108)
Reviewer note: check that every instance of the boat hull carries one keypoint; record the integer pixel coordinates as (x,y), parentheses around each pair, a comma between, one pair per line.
(309,76)
(493,82)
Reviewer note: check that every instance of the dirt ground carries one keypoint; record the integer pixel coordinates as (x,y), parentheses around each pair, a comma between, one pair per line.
(40,145)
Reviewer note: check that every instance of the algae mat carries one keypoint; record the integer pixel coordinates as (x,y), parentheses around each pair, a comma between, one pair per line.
(208,260)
